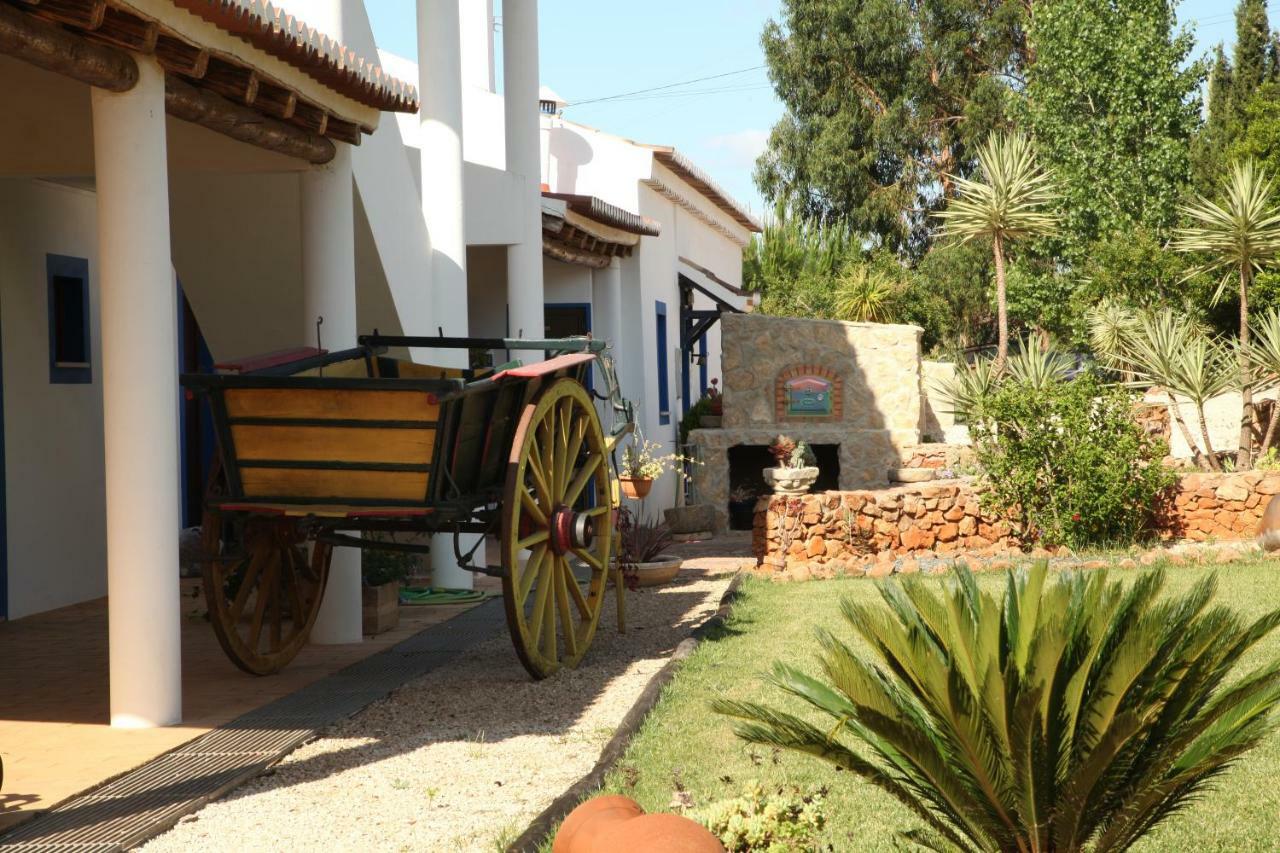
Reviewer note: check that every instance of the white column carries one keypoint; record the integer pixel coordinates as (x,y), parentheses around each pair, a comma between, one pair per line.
(606,309)
(329,253)
(329,291)
(140,401)
(440,85)
(520,94)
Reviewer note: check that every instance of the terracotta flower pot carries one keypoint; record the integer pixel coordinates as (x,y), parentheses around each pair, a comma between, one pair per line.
(635,487)
(592,818)
(656,833)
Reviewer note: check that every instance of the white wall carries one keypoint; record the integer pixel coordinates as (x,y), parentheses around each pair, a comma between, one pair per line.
(52,433)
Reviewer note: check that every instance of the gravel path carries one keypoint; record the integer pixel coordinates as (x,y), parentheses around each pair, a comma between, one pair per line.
(465,757)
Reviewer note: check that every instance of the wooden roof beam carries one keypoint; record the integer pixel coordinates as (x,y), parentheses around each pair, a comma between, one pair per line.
(210,110)
(82,14)
(49,46)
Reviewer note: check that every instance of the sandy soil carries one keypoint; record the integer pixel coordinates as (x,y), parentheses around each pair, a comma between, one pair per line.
(465,757)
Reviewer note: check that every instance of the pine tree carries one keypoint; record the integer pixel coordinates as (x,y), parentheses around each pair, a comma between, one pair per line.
(1253,44)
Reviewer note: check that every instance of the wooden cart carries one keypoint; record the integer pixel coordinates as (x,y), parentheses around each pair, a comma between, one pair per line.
(345,448)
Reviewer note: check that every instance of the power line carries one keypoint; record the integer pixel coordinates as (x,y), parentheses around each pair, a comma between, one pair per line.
(667,86)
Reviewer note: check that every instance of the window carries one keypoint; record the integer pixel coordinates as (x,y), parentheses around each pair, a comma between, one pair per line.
(664,390)
(70,355)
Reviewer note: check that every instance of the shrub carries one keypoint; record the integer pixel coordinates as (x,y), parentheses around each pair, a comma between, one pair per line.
(777,822)
(1066,716)
(1066,462)
(379,566)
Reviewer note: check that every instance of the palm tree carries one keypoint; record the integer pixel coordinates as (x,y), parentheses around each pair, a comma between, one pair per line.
(1066,716)
(1165,348)
(1240,238)
(1008,204)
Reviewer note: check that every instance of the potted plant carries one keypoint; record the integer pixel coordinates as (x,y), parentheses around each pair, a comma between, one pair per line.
(641,465)
(797,467)
(382,572)
(742,508)
(641,547)
(715,407)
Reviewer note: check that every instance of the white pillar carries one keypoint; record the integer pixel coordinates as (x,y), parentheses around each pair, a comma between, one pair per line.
(440,85)
(329,253)
(606,310)
(140,401)
(520,94)
(329,291)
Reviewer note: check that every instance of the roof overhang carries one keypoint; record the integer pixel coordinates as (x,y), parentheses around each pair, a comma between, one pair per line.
(688,172)
(246,51)
(587,231)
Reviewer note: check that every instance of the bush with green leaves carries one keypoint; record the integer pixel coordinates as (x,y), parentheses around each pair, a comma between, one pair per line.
(1065,462)
(1066,716)
(774,821)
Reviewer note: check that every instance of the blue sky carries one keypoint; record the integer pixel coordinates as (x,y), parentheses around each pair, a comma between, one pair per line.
(599,48)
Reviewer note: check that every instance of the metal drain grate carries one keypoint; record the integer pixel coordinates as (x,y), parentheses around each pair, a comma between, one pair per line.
(126,811)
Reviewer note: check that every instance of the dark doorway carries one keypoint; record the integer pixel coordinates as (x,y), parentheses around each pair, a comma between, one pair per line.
(748,461)
(567,319)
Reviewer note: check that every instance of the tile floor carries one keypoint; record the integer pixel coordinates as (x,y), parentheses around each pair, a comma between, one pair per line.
(54,734)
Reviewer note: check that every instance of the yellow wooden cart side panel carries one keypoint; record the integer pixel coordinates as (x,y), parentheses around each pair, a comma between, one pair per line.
(322,403)
(333,444)
(408,486)
(355,368)
(410,370)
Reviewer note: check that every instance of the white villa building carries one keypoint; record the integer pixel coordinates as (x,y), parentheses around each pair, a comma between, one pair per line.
(184,182)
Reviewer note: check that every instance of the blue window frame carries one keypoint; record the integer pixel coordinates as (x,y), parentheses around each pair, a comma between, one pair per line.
(70,348)
(664,380)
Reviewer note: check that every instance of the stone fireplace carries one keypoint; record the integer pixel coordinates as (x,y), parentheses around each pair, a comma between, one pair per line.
(851,389)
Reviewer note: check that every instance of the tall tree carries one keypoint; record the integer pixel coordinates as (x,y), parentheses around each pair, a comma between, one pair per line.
(1234,90)
(1008,202)
(885,100)
(1112,104)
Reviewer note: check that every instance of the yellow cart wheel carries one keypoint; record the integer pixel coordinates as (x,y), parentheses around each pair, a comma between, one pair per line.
(557,529)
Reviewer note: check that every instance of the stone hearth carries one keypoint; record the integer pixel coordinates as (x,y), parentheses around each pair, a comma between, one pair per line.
(853,385)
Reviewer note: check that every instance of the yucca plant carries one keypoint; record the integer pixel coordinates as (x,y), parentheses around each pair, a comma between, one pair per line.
(969,387)
(1035,369)
(865,295)
(1008,203)
(1240,237)
(1264,356)
(1167,349)
(1064,716)
(1109,324)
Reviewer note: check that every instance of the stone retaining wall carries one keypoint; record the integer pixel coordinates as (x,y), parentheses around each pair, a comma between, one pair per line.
(838,529)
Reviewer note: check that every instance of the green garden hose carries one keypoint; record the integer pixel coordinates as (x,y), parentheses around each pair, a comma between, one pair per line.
(439,595)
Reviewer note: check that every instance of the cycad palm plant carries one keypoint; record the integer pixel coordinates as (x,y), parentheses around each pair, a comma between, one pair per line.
(1240,237)
(1008,203)
(1066,716)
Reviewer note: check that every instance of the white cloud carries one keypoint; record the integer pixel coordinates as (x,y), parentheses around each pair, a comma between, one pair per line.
(741,148)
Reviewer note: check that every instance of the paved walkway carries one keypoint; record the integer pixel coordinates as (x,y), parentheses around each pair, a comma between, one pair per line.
(55,737)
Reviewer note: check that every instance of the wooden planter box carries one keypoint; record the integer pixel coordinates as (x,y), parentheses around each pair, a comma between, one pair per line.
(381,611)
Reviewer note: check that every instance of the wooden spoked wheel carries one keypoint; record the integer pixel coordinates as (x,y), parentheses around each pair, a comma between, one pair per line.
(263,591)
(556,529)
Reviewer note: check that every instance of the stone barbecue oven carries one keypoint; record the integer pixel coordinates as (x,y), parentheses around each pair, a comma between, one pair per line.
(853,389)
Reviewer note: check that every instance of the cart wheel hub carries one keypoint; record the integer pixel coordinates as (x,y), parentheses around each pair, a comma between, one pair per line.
(570,530)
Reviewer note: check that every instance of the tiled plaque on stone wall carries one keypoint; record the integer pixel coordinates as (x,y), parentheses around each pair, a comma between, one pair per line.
(808,392)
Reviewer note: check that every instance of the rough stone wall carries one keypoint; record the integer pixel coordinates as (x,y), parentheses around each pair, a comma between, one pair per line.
(878,367)
(851,527)
(935,456)
(848,529)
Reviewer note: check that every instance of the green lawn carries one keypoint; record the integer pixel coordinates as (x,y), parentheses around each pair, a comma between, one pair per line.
(684,743)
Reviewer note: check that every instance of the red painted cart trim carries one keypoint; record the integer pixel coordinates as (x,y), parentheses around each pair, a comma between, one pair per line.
(270,359)
(551,365)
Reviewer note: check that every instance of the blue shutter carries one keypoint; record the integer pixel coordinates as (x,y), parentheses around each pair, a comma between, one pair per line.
(664,388)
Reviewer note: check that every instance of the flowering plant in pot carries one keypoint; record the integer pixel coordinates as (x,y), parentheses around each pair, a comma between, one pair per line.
(797,467)
(742,508)
(641,547)
(715,406)
(642,463)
